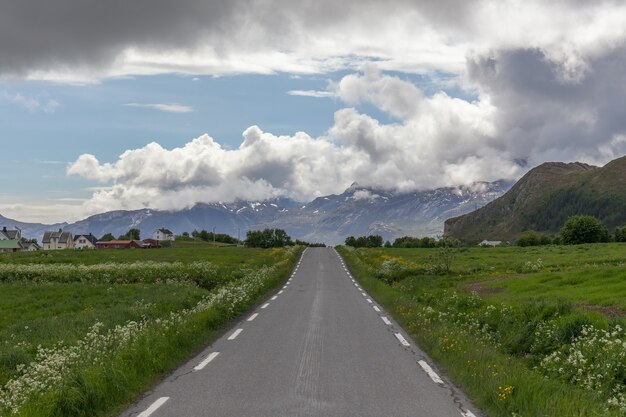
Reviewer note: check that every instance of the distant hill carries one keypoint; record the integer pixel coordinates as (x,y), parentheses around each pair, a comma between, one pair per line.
(330,219)
(544,198)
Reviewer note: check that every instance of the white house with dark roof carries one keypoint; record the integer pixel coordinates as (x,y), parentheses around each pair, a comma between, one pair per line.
(57,240)
(163,234)
(85,241)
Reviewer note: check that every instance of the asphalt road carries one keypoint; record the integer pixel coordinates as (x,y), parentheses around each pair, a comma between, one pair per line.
(320,346)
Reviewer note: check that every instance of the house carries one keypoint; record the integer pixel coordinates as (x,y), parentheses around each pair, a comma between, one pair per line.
(30,246)
(10,245)
(163,234)
(151,243)
(57,240)
(8,234)
(85,241)
(120,244)
(490,243)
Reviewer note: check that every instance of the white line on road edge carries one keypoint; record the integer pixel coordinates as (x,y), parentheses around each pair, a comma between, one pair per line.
(467,413)
(155,405)
(280,292)
(252,317)
(274,297)
(356,285)
(265,305)
(432,374)
(235,334)
(363,294)
(205,362)
(376,309)
(386,320)
(369,301)
(402,339)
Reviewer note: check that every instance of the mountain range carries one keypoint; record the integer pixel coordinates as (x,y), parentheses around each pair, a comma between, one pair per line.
(544,198)
(330,219)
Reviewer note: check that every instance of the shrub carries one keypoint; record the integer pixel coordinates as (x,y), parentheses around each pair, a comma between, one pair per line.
(583,229)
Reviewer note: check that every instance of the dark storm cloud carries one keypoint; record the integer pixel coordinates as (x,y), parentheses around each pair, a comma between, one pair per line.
(543,115)
(38,34)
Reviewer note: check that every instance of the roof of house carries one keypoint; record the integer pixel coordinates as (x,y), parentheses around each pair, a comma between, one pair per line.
(120,242)
(490,242)
(10,233)
(91,238)
(26,245)
(10,244)
(63,237)
(166,231)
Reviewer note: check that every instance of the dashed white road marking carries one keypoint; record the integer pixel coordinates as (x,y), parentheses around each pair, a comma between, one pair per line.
(467,413)
(356,285)
(432,374)
(265,305)
(235,334)
(274,297)
(386,320)
(206,361)
(155,405)
(363,294)
(252,317)
(376,309)
(402,339)
(280,292)
(369,301)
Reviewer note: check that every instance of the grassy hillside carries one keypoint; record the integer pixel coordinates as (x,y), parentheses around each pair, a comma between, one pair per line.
(544,198)
(525,331)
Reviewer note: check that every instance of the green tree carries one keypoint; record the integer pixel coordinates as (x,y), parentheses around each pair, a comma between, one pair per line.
(268,238)
(107,237)
(583,229)
(132,234)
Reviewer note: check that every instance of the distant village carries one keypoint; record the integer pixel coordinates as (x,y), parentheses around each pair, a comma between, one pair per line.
(11,240)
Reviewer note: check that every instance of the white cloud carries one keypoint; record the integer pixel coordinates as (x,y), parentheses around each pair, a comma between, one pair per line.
(440,141)
(364,195)
(312,93)
(165,107)
(32,103)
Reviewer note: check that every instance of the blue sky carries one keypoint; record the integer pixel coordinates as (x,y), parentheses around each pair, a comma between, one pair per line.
(402,95)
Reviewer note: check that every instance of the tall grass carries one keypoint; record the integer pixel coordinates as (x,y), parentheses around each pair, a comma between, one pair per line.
(107,368)
(497,351)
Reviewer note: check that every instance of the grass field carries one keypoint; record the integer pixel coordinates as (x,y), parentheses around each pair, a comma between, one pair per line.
(526,331)
(86,345)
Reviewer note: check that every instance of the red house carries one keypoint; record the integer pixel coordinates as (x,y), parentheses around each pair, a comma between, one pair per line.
(120,244)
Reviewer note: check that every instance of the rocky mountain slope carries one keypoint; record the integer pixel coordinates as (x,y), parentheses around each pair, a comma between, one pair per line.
(544,198)
(357,211)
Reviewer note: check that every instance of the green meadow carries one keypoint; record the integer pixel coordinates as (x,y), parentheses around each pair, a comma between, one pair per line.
(525,331)
(82,333)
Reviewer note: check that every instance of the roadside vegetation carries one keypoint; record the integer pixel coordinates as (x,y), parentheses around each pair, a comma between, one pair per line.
(526,331)
(82,333)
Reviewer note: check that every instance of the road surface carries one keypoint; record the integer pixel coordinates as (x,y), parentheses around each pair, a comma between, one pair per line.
(320,346)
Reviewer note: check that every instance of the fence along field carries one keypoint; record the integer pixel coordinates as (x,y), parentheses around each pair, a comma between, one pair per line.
(81,333)
(526,331)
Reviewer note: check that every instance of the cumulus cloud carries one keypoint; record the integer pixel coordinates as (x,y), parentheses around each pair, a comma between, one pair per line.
(526,113)
(165,107)
(441,141)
